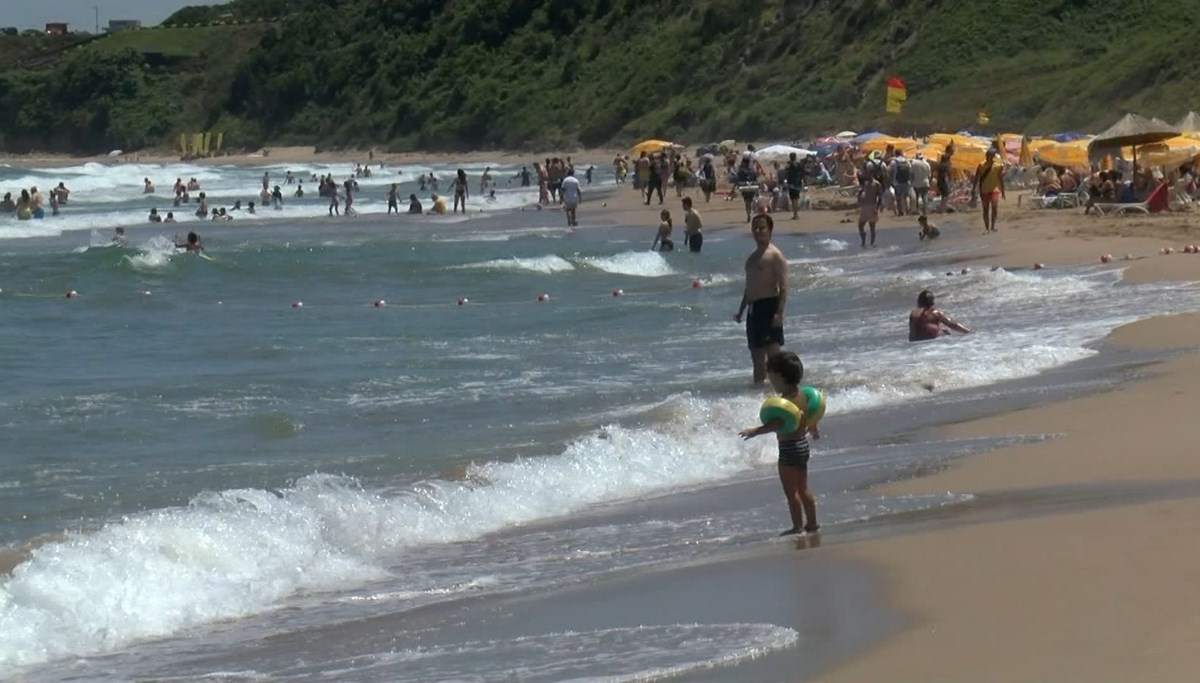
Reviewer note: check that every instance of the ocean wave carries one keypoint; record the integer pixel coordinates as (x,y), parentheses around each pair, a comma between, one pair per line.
(634,263)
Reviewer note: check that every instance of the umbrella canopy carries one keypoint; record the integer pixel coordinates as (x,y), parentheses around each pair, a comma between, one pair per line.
(1133,130)
(1170,152)
(846,135)
(652,146)
(1190,124)
(782,153)
(881,142)
(859,139)
(1073,154)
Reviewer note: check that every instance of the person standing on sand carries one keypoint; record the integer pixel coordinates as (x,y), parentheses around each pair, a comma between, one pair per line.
(943,182)
(920,183)
(786,372)
(794,179)
(870,198)
(571,196)
(989,182)
(765,296)
(692,225)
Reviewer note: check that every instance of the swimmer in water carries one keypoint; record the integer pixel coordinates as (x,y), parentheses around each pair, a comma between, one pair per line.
(925,321)
(119,237)
(191,245)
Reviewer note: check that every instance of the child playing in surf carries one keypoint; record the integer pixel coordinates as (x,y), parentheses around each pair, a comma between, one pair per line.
(784,370)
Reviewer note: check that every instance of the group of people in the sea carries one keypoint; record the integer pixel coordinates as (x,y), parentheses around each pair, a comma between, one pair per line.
(30,205)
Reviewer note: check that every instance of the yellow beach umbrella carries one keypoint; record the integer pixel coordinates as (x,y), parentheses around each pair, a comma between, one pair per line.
(1025,156)
(879,144)
(651,146)
(1073,154)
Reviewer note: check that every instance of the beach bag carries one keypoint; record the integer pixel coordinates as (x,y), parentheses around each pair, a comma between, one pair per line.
(903,173)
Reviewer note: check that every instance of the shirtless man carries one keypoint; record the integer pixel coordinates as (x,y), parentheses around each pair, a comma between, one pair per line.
(765,296)
(692,225)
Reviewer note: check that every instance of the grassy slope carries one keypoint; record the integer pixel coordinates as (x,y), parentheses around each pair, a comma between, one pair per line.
(708,69)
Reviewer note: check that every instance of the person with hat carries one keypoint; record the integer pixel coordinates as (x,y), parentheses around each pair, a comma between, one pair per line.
(989,183)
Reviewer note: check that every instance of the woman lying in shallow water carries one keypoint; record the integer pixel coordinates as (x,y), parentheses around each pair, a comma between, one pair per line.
(925,321)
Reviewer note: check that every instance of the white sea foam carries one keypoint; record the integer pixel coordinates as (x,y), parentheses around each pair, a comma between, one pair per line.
(238,552)
(615,655)
(635,263)
(539,264)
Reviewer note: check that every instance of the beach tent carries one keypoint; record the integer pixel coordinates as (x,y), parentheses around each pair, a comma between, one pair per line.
(652,147)
(1190,125)
(782,153)
(1130,130)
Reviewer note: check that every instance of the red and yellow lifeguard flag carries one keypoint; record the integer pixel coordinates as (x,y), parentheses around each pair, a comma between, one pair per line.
(982,118)
(896,94)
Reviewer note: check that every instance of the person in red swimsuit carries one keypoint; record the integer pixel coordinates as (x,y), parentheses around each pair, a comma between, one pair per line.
(926,320)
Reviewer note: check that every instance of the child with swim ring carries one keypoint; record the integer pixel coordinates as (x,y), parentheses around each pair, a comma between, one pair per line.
(791,427)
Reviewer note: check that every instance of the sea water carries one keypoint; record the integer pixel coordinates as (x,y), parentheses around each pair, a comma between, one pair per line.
(309,430)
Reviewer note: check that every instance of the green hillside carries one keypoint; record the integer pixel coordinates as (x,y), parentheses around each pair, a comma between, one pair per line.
(457,74)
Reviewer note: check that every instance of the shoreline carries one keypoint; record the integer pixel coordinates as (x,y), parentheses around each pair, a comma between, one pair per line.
(1055,596)
(299,154)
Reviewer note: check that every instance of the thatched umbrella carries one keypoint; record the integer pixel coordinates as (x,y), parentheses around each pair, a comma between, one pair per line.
(1131,130)
(1189,123)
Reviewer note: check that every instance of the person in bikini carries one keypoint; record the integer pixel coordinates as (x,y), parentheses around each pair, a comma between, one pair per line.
(662,238)
(926,320)
(764,298)
(461,191)
(989,182)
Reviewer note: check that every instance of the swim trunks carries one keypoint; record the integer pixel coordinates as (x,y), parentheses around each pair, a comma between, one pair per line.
(694,242)
(760,324)
(868,213)
(794,452)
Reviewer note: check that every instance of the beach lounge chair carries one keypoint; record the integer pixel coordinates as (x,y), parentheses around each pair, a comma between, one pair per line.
(1155,202)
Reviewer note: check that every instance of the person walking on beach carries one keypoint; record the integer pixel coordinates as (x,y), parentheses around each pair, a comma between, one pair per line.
(662,238)
(786,372)
(870,198)
(989,182)
(765,296)
(920,183)
(926,320)
(793,175)
(571,196)
(654,182)
(461,191)
(693,238)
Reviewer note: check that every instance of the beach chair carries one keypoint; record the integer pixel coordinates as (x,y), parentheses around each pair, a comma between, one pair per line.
(1155,202)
